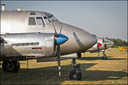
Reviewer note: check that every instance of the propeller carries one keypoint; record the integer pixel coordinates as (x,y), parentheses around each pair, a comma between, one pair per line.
(105,46)
(98,45)
(59,39)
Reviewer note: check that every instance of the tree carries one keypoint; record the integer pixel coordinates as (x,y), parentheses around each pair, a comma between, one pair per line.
(117,42)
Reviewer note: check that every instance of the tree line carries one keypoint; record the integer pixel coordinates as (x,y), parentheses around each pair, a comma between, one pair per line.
(118,42)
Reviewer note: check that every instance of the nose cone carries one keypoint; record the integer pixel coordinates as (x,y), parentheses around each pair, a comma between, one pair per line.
(79,40)
(108,42)
(90,40)
(83,40)
(111,43)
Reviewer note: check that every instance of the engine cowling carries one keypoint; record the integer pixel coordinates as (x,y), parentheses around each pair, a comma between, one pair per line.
(32,45)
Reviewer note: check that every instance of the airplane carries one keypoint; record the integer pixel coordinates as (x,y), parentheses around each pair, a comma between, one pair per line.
(40,35)
(101,45)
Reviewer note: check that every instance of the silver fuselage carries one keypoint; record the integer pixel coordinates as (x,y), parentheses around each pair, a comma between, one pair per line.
(16,29)
(102,47)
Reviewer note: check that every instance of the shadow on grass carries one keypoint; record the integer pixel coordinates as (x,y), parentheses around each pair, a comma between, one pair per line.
(49,75)
(100,58)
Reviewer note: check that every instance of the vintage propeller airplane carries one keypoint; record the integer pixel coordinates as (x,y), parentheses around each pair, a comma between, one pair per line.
(101,45)
(37,34)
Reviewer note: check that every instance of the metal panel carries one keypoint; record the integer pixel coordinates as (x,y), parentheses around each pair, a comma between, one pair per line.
(29,44)
(49,43)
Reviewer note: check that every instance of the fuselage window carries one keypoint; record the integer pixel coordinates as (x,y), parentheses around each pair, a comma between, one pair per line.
(32,21)
(46,20)
(39,21)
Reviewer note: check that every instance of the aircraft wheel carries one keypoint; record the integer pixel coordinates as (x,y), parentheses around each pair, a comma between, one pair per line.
(104,58)
(74,75)
(11,66)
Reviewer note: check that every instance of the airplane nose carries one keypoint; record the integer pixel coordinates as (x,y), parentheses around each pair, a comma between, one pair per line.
(108,42)
(111,43)
(84,39)
(79,40)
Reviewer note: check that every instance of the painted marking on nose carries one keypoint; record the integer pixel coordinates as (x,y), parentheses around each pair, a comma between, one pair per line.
(78,41)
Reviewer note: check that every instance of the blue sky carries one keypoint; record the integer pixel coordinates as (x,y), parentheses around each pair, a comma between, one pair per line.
(102,18)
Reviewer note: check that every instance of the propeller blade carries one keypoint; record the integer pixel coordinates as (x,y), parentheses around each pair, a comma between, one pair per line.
(58,55)
(61,28)
(103,40)
(98,45)
(104,47)
(98,51)
(55,31)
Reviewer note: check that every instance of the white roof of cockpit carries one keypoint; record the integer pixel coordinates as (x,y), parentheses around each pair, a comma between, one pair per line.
(31,12)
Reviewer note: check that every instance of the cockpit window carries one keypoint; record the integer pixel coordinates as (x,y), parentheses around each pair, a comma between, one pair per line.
(52,18)
(39,21)
(46,20)
(32,21)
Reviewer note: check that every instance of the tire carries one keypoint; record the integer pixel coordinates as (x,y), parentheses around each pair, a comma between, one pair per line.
(74,75)
(11,66)
(104,58)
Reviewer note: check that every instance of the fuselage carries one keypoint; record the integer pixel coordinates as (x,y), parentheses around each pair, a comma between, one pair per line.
(15,22)
(105,44)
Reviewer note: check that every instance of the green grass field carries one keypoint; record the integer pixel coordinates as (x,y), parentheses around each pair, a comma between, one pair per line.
(94,70)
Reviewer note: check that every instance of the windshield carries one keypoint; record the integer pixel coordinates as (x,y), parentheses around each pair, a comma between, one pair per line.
(50,17)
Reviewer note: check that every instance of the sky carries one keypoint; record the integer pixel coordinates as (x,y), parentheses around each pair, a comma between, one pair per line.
(102,18)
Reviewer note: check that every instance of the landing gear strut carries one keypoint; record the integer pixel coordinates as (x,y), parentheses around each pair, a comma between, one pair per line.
(76,73)
(10,66)
(104,56)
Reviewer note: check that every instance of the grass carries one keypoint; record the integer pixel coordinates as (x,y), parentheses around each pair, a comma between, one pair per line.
(94,70)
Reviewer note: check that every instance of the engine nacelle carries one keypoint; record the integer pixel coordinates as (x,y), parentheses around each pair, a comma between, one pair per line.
(32,45)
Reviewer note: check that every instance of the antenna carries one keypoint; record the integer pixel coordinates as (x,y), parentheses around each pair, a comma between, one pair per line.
(3,7)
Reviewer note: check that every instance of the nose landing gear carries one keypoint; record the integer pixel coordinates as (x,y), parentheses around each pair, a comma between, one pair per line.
(76,73)
(104,56)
